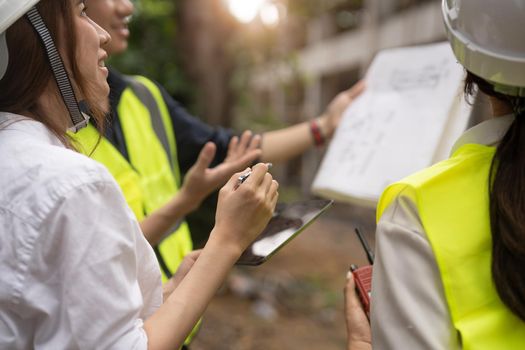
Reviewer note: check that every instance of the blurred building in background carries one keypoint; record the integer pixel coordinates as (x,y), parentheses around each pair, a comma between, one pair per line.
(323,47)
(265,64)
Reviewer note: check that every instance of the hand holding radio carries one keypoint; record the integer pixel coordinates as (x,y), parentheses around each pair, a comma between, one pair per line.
(363,276)
(363,285)
(358,327)
(357,301)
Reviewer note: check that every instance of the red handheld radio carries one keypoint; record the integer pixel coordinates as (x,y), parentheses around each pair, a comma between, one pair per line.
(363,275)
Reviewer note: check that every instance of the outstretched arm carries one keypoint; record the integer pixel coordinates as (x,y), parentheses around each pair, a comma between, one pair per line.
(283,144)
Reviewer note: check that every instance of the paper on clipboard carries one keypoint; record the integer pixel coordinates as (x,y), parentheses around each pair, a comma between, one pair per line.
(411,111)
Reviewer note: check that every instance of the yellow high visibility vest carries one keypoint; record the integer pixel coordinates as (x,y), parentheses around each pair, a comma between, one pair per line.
(452,198)
(151,177)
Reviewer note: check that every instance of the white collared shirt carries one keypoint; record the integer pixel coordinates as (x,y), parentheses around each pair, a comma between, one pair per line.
(75,270)
(409,308)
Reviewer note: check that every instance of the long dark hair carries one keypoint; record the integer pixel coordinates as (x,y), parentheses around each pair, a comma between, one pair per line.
(507,203)
(29,74)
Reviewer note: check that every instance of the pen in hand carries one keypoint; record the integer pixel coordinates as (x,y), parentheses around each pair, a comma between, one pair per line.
(246,175)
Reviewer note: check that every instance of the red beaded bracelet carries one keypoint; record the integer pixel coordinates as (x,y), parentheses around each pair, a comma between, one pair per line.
(319,139)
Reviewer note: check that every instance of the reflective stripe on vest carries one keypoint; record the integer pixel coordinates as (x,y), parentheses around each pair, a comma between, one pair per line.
(159,180)
(148,181)
(453,203)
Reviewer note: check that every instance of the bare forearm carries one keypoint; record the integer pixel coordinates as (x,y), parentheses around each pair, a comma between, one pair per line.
(241,215)
(283,144)
(170,325)
(159,223)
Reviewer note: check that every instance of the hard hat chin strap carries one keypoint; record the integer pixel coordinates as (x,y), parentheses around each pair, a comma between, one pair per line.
(4,56)
(78,119)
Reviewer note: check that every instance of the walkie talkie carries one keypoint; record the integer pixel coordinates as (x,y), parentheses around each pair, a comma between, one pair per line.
(363,275)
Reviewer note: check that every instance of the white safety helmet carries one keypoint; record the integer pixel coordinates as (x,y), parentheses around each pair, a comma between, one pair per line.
(10,12)
(487,39)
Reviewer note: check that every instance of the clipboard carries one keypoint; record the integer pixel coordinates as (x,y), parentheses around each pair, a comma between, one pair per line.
(288,221)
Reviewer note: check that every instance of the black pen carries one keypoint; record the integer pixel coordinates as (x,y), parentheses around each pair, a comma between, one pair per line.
(246,175)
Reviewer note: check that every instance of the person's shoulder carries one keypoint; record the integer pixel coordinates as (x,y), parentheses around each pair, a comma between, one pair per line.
(115,78)
(40,174)
(153,86)
(117,84)
(119,81)
(64,169)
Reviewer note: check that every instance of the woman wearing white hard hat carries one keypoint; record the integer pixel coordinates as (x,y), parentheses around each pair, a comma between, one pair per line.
(75,270)
(450,246)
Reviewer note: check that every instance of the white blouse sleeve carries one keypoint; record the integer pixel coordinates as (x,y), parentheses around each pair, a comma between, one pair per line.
(89,262)
(409,309)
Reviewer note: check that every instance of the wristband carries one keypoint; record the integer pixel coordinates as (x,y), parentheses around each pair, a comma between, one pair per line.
(318,137)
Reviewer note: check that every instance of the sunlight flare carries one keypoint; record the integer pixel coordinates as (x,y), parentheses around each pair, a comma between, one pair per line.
(245,11)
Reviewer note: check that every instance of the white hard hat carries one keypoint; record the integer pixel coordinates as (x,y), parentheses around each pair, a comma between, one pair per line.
(10,12)
(487,39)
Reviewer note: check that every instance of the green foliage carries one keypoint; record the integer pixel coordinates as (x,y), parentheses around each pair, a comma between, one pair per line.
(152,50)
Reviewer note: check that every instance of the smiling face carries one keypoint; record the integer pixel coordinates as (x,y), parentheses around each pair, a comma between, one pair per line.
(90,57)
(113,16)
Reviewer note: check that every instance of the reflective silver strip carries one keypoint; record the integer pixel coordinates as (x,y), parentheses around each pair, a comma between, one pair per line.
(4,55)
(148,100)
(57,66)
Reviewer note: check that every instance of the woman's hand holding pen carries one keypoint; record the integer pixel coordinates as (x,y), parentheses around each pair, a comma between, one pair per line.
(242,214)
(201,180)
(244,210)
